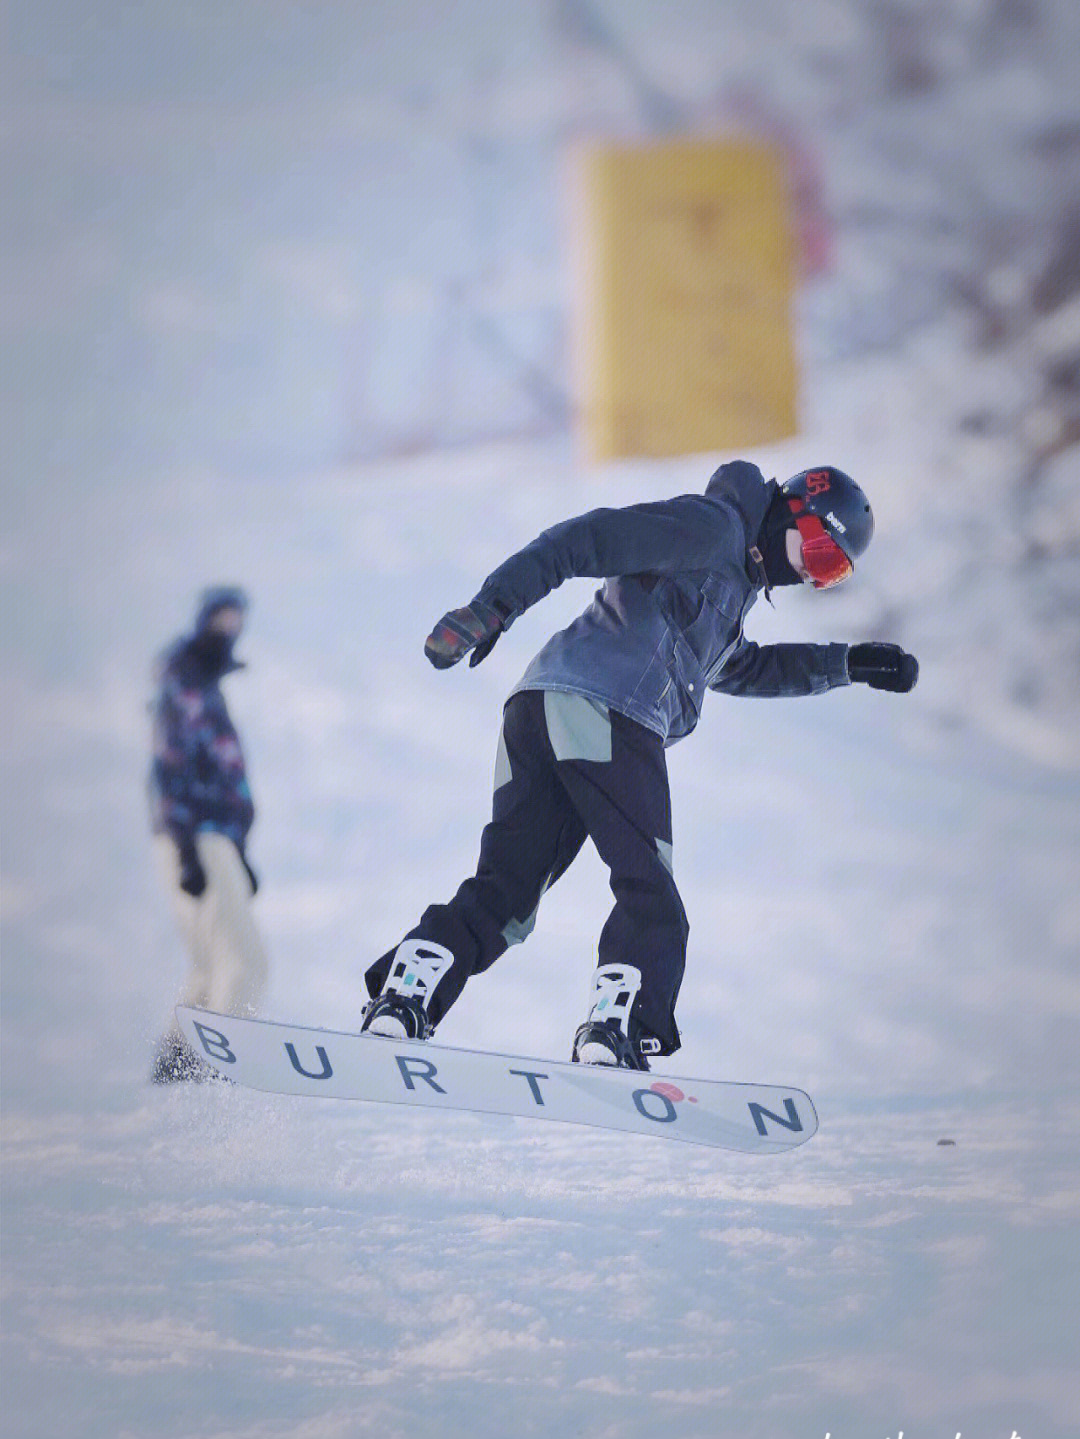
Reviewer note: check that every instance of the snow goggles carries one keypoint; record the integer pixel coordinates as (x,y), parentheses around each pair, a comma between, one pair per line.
(823,559)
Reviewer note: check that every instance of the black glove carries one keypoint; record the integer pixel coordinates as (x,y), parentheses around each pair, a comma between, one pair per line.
(476,626)
(252,876)
(192,874)
(882,667)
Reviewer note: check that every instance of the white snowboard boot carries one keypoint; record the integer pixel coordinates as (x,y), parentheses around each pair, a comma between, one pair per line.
(609,1036)
(400,1010)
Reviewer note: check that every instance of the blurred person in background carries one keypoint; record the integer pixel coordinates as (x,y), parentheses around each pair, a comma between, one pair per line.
(201,814)
(581,754)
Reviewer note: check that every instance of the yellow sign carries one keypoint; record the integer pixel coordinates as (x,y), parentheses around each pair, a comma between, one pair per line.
(684,280)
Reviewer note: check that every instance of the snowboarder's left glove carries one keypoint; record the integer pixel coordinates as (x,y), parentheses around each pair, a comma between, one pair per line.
(476,626)
(253,878)
(192,874)
(882,667)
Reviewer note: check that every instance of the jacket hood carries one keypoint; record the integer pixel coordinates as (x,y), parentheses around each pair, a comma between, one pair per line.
(203,656)
(743,487)
(216,599)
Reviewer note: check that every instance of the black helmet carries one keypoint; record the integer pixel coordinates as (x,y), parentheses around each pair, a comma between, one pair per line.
(837,501)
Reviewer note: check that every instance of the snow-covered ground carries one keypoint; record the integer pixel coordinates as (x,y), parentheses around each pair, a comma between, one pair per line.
(883,907)
(882,890)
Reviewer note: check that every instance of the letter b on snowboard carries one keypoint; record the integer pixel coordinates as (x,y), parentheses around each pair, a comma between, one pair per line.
(215,1043)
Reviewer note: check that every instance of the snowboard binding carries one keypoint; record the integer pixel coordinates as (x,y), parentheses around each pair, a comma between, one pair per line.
(400,1010)
(393,1016)
(611,1035)
(605,1043)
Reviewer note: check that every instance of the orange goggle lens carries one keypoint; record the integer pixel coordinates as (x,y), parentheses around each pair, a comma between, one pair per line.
(823,559)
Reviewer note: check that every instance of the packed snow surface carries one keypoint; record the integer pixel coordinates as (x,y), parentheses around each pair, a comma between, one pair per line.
(883,911)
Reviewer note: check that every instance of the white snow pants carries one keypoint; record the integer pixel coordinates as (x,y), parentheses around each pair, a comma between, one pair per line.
(228,963)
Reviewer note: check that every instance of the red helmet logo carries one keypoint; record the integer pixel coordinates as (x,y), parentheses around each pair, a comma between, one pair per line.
(817,482)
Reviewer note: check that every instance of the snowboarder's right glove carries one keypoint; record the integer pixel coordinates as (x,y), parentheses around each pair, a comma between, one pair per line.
(476,626)
(882,667)
(192,874)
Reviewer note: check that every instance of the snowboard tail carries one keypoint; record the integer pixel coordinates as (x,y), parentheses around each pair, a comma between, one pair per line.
(294,1059)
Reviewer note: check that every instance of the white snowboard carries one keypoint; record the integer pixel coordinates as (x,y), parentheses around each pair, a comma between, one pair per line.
(291,1059)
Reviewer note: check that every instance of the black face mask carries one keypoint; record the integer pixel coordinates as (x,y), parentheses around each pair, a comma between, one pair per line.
(213,652)
(772,542)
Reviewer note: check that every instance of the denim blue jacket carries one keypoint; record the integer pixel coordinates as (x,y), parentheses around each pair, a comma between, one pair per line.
(668,622)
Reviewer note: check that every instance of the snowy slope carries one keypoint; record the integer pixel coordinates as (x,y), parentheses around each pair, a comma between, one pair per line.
(882,910)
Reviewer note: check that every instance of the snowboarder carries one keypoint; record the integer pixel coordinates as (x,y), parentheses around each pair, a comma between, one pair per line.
(581,753)
(201,813)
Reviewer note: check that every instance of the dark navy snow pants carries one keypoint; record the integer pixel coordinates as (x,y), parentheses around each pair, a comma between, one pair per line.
(568,769)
